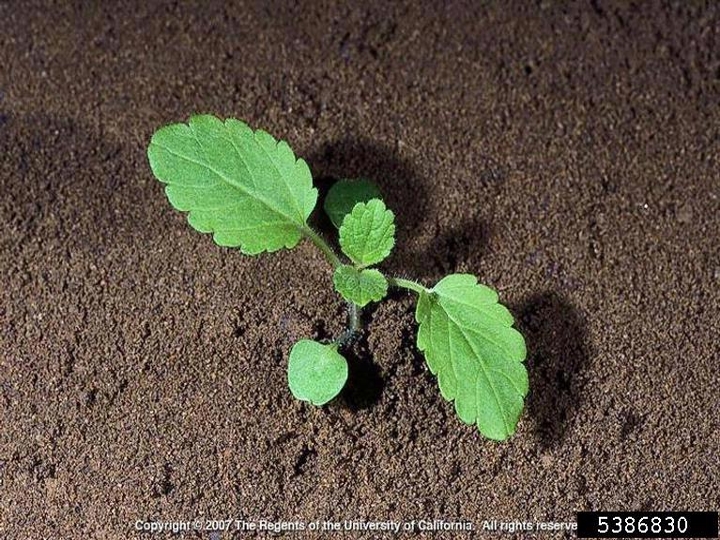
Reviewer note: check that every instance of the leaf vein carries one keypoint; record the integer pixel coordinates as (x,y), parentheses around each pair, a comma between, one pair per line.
(237,186)
(484,371)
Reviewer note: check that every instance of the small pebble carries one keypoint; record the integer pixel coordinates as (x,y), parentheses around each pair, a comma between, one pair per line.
(685,214)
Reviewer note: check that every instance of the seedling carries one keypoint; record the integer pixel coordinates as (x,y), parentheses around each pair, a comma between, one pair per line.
(250,192)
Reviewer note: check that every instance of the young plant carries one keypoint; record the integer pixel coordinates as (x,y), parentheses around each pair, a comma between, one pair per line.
(250,191)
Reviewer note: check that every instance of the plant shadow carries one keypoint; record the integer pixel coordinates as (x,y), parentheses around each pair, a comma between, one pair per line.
(557,343)
(408,194)
(364,385)
(456,248)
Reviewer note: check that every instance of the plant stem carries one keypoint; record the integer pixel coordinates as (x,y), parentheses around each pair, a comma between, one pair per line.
(320,242)
(407,284)
(353,327)
(354,324)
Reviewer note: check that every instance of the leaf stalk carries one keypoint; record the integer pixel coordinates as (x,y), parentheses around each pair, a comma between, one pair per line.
(323,246)
(407,284)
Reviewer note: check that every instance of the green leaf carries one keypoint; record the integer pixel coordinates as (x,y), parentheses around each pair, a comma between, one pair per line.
(316,372)
(469,343)
(243,186)
(367,234)
(360,286)
(345,194)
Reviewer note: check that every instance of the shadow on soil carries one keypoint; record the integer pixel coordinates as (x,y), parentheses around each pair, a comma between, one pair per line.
(407,193)
(558,352)
(451,250)
(365,385)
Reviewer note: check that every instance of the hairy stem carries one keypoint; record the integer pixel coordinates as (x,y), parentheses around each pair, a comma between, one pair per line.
(354,325)
(354,322)
(407,284)
(323,246)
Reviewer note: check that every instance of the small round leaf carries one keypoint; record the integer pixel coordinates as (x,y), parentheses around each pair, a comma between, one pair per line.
(316,372)
(345,194)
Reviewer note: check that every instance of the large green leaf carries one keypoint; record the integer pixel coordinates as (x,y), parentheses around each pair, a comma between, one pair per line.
(243,186)
(360,286)
(469,343)
(316,372)
(367,234)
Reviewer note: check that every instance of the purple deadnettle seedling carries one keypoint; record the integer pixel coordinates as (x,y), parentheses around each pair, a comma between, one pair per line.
(250,192)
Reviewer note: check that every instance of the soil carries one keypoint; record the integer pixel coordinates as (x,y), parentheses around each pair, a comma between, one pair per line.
(568,155)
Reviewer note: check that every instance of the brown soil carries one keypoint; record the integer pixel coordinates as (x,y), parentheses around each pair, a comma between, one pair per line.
(568,156)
